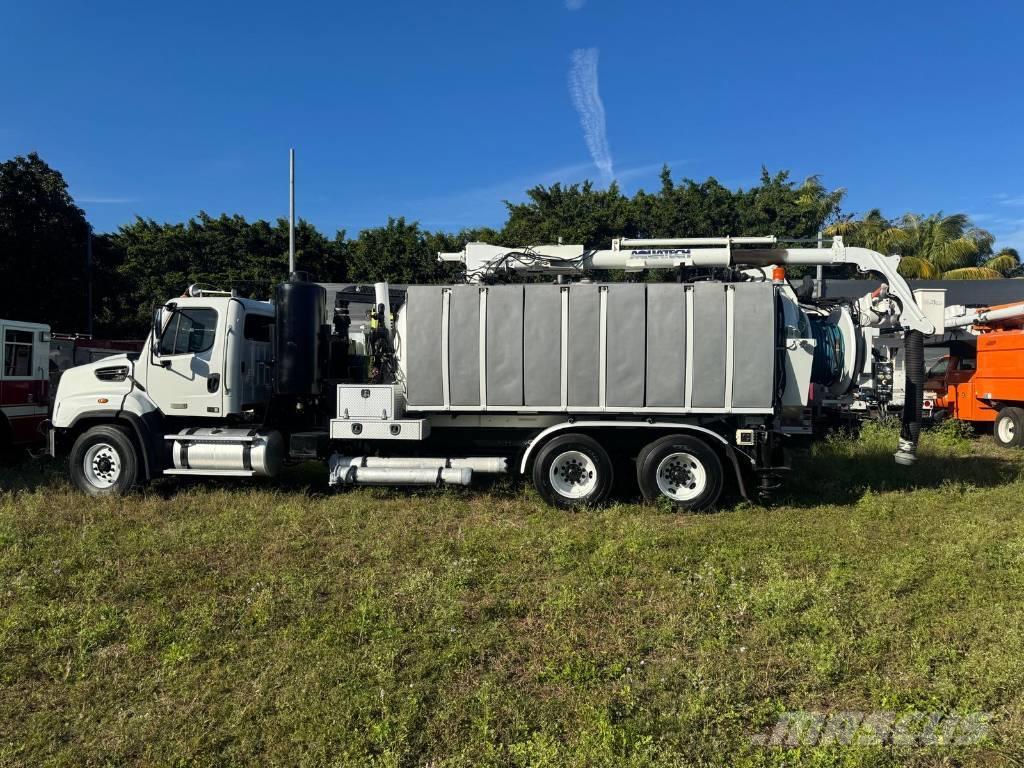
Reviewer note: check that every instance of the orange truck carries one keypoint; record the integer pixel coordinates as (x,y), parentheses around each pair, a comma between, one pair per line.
(981,380)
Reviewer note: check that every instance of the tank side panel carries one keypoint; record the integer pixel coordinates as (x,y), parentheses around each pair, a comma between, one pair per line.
(542,345)
(969,406)
(627,327)
(464,345)
(583,342)
(709,344)
(666,345)
(753,379)
(422,347)
(505,345)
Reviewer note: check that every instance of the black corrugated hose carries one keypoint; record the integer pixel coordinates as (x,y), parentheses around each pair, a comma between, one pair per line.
(913,398)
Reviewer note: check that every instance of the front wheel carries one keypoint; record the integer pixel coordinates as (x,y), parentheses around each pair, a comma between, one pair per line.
(681,469)
(572,471)
(104,462)
(1008,429)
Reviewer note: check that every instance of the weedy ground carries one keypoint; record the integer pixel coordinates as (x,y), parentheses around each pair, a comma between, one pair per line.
(251,625)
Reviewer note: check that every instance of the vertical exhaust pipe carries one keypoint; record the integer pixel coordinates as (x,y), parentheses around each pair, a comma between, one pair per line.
(291,213)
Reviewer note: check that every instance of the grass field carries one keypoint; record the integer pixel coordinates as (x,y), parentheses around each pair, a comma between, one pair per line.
(204,625)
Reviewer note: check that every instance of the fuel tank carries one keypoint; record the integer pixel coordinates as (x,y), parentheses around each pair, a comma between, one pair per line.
(213,450)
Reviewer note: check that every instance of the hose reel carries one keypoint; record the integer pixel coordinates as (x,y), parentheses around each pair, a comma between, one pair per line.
(838,349)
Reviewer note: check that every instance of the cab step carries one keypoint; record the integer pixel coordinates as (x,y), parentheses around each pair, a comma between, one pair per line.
(212,472)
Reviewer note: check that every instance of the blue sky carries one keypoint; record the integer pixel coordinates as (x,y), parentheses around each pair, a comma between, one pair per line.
(437,111)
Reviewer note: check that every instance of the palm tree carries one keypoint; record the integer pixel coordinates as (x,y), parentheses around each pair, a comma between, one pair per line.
(932,246)
(874,231)
(1006,262)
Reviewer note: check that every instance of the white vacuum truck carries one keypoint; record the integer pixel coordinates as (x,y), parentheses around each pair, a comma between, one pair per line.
(688,384)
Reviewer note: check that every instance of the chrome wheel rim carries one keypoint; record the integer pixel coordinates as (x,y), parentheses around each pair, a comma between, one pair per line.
(573,474)
(682,476)
(101,465)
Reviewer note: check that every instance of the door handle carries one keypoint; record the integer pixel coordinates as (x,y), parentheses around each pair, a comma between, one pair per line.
(213,383)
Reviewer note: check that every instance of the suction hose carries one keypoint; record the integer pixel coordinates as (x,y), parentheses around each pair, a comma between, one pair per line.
(913,398)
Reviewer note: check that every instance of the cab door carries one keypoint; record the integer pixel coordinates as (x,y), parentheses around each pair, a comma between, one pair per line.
(247,355)
(257,354)
(961,386)
(185,376)
(936,384)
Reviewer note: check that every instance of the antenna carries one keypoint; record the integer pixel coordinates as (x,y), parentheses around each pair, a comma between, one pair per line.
(291,212)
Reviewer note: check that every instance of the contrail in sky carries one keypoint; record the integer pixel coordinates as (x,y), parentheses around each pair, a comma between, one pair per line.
(587,100)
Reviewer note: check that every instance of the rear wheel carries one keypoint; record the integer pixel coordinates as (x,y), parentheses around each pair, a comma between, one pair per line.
(104,462)
(572,471)
(681,469)
(1008,429)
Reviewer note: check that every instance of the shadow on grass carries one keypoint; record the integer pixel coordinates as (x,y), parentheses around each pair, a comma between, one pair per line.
(310,479)
(824,477)
(833,471)
(21,472)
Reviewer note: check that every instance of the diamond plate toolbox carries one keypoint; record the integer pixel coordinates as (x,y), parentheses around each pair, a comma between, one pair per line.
(380,402)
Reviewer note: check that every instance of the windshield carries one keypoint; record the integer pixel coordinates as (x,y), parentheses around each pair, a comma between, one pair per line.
(938,370)
(189,331)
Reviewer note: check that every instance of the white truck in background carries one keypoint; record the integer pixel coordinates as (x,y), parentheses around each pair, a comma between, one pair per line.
(685,384)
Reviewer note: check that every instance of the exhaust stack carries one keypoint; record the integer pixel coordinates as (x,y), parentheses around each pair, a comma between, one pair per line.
(291,213)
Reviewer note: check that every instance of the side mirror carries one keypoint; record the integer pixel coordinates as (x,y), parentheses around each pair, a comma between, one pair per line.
(159,313)
(154,340)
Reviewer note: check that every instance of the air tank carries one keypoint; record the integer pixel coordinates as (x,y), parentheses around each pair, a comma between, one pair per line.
(300,312)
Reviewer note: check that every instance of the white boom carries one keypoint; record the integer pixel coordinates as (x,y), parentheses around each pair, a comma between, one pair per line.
(634,255)
(959,316)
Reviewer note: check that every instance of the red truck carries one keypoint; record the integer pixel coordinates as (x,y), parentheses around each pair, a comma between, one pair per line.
(24,382)
(70,349)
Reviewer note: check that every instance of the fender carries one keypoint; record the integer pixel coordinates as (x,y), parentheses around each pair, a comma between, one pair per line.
(729,450)
(147,429)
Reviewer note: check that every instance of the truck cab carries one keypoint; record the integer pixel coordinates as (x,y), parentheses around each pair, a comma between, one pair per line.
(205,364)
(209,357)
(948,389)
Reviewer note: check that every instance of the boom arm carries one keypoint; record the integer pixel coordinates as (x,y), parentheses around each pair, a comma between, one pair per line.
(1003,314)
(634,255)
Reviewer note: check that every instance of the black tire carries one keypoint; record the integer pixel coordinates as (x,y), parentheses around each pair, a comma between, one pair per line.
(691,473)
(9,453)
(573,471)
(1008,429)
(113,460)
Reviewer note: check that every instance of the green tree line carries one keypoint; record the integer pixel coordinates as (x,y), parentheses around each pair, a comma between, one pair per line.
(50,259)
